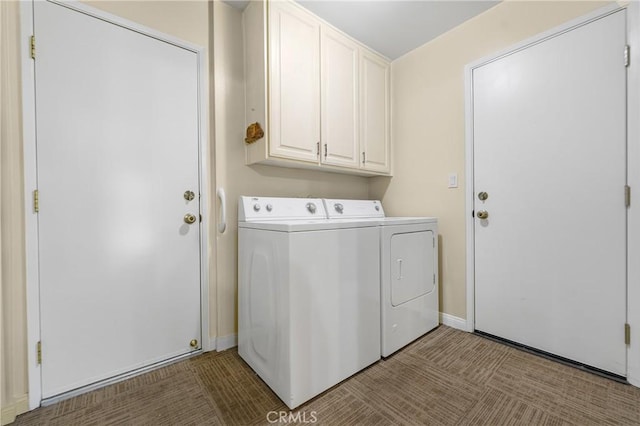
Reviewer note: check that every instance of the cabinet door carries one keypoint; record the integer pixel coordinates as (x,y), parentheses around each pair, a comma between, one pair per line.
(374,116)
(339,101)
(294,82)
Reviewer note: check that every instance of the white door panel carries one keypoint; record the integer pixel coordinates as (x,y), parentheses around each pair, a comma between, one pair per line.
(374,112)
(411,267)
(550,151)
(294,82)
(117,145)
(339,57)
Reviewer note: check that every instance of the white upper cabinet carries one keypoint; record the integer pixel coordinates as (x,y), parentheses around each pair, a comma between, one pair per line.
(374,117)
(340,61)
(321,98)
(294,82)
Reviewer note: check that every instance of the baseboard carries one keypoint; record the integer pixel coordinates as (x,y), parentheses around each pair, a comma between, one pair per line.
(453,321)
(222,343)
(10,412)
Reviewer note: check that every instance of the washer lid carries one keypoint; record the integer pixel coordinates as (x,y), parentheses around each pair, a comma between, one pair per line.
(307,225)
(353,209)
(407,220)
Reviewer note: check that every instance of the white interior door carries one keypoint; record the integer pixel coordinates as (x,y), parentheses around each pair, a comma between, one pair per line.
(117,146)
(550,151)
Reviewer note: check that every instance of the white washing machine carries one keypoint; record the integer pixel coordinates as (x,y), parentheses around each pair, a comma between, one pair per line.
(408,271)
(308,295)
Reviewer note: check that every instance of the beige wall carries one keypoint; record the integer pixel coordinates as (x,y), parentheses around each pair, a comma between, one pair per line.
(428,133)
(428,124)
(184,19)
(13,346)
(238,179)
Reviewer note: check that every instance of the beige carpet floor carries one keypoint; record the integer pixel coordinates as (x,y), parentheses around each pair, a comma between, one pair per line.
(447,377)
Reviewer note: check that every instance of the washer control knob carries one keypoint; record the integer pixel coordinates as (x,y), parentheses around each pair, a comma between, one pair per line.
(269,207)
(377,208)
(339,207)
(256,207)
(311,207)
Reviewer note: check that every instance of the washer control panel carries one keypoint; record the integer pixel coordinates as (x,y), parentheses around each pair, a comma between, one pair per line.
(274,208)
(312,208)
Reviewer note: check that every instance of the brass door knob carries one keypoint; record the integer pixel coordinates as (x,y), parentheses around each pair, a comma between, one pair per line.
(193,343)
(189,218)
(483,214)
(483,196)
(189,195)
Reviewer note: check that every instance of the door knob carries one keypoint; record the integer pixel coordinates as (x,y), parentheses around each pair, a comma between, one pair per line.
(483,214)
(189,218)
(483,196)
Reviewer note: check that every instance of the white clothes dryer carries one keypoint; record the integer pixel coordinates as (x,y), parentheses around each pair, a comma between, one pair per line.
(308,295)
(408,271)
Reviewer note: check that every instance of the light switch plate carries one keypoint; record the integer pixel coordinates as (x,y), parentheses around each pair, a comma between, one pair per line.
(453,180)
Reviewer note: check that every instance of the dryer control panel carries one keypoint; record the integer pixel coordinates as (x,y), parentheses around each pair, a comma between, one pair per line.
(353,209)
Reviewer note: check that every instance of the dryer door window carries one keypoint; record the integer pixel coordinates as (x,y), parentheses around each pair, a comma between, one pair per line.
(412,266)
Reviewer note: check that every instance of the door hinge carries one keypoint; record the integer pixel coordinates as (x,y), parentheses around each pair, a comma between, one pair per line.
(627,55)
(627,334)
(627,195)
(36,201)
(33,47)
(39,352)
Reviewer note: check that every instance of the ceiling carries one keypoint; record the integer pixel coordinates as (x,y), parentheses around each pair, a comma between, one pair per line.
(392,27)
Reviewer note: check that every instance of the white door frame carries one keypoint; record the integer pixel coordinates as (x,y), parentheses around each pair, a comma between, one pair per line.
(633,170)
(30,178)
